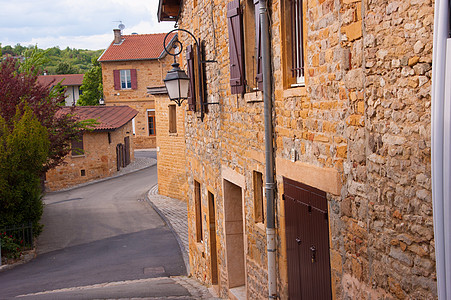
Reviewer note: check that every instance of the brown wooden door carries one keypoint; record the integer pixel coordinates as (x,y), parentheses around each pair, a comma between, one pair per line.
(307,234)
(127,150)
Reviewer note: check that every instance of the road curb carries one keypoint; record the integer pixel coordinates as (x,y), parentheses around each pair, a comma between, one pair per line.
(104,179)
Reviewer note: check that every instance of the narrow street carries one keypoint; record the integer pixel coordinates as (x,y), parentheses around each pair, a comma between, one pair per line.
(102,241)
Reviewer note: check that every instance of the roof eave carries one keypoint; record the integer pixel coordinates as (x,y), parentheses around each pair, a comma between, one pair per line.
(168,10)
(164,53)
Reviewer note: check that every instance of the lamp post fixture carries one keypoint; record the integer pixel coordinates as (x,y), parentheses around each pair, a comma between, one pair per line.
(177,82)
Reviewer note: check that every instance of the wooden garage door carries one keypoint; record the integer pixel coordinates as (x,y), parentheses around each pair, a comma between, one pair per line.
(307,234)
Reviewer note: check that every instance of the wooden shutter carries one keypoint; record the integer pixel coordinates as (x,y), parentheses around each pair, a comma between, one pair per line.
(192,87)
(117,79)
(134,78)
(258,54)
(236,47)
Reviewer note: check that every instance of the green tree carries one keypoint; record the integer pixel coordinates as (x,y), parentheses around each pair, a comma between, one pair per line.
(34,60)
(66,68)
(24,148)
(92,87)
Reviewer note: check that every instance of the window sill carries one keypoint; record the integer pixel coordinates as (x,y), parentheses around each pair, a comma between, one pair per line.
(261,227)
(78,156)
(298,91)
(200,247)
(256,96)
(173,134)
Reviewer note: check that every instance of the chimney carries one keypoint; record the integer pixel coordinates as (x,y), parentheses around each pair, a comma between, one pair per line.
(117,36)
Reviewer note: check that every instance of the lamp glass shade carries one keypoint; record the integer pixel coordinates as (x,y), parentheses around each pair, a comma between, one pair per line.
(177,83)
(178,88)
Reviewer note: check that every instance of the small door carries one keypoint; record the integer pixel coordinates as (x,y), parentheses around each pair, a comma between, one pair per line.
(212,233)
(307,235)
(127,150)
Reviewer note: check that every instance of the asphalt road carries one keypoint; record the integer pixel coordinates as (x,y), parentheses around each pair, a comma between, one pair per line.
(101,241)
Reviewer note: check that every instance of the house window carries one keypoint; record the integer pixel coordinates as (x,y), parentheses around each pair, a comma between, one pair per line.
(245,58)
(125,79)
(151,122)
(259,215)
(172,119)
(294,36)
(252,47)
(77,148)
(198,211)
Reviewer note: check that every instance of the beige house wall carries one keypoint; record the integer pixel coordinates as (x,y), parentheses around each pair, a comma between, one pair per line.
(150,73)
(359,130)
(171,150)
(98,161)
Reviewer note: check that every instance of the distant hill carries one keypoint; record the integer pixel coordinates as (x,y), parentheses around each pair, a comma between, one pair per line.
(67,61)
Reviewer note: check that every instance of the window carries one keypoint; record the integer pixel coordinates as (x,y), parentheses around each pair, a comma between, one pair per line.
(151,122)
(245,59)
(125,79)
(294,36)
(77,146)
(172,119)
(259,215)
(198,211)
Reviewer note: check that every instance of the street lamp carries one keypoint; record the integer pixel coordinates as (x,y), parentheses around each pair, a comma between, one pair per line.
(177,83)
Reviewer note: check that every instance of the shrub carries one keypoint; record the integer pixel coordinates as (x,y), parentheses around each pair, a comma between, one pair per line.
(11,248)
(23,152)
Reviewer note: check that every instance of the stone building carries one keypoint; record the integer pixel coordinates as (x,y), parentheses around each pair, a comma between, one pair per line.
(351,117)
(72,83)
(170,125)
(130,65)
(98,153)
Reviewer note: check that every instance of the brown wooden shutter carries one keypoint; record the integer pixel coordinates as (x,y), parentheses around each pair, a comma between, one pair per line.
(236,47)
(258,34)
(134,78)
(192,87)
(117,79)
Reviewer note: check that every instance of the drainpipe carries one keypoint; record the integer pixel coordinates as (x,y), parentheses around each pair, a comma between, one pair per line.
(269,152)
(440,141)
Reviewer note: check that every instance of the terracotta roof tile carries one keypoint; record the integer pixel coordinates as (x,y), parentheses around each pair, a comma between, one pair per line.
(137,47)
(68,79)
(109,117)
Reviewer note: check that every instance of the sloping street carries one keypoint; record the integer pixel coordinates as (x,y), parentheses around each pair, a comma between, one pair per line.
(102,241)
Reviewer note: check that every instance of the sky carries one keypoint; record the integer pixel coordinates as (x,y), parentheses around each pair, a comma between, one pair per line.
(80,24)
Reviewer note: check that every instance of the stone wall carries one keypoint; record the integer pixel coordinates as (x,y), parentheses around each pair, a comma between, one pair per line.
(98,161)
(171,150)
(150,73)
(359,130)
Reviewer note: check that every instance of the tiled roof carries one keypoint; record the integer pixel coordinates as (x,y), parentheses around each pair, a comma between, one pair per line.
(137,47)
(108,117)
(68,79)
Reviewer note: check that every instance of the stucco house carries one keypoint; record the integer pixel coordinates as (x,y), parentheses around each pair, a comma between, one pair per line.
(72,83)
(130,65)
(99,152)
(309,175)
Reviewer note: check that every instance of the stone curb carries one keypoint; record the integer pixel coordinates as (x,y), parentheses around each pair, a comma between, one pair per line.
(27,257)
(154,191)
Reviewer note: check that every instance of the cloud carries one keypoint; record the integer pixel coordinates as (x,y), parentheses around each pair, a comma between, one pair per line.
(82,24)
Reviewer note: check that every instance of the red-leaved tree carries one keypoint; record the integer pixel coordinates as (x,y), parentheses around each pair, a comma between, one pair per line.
(18,88)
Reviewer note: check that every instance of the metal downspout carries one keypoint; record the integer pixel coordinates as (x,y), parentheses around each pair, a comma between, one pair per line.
(439,133)
(269,151)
